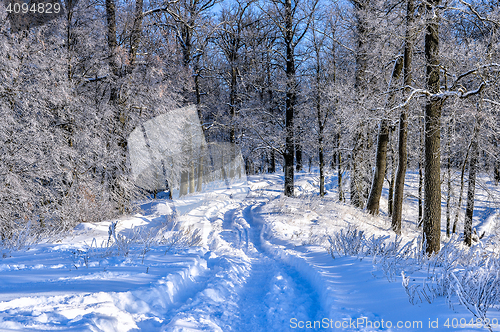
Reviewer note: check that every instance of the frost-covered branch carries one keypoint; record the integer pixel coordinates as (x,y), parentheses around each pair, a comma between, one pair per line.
(163,8)
(476,13)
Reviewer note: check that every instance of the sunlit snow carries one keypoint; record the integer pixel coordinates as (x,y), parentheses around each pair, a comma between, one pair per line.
(261,266)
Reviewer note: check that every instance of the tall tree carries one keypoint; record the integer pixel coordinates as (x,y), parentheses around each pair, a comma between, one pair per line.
(189,19)
(291,97)
(432,136)
(373,202)
(403,119)
(358,185)
(472,185)
(318,44)
(231,38)
(292,19)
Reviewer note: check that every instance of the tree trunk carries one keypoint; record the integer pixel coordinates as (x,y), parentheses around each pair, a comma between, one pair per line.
(298,155)
(420,181)
(203,147)
(373,203)
(232,113)
(339,169)
(290,100)
(191,152)
(321,172)
(70,39)
(111,34)
(471,192)
(135,35)
(397,208)
(496,172)
(197,90)
(192,175)
(461,193)
(360,86)
(199,183)
(183,188)
(187,155)
(432,137)
(390,199)
(272,167)
(117,127)
(320,154)
(355,185)
(403,121)
(321,125)
(448,181)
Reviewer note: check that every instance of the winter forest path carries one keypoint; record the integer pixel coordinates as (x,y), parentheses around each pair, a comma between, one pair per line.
(249,289)
(274,292)
(259,267)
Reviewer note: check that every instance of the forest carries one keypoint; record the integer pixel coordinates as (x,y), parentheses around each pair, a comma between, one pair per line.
(364,89)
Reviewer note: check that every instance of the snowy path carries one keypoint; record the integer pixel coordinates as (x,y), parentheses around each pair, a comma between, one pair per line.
(274,292)
(258,268)
(249,290)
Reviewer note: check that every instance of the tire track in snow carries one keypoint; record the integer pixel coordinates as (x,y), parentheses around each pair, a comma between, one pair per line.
(273,295)
(248,290)
(275,292)
(212,308)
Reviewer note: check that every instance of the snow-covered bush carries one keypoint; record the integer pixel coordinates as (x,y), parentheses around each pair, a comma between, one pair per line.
(350,242)
(469,276)
(478,289)
(139,241)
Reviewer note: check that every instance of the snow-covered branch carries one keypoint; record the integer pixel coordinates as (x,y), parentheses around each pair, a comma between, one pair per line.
(163,8)
(476,13)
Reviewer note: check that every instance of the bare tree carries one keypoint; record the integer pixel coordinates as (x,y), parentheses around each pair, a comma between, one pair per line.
(293,27)
(432,137)
(403,119)
(373,202)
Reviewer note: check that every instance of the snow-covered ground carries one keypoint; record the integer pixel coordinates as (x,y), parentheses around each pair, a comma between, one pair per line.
(260,265)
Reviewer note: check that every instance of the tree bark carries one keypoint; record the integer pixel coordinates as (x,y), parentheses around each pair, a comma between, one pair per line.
(460,195)
(70,39)
(321,125)
(496,172)
(199,183)
(232,111)
(420,182)
(360,85)
(339,169)
(390,199)
(432,136)
(448,184)
(272,166)
(290,100)
(471,192)
(183,189)
(355,184)
(298,154)
(403,121)
(135,36)
(203,148)
(373,203)
(320,149)
(111,34)
(186,153)
(117,126)
(192,175)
